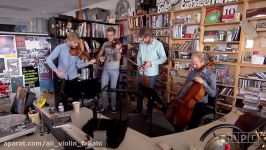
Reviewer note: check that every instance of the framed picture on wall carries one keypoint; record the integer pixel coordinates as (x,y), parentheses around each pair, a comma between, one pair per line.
(13,65)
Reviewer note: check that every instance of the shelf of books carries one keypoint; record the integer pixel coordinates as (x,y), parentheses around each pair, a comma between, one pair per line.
(214,31)
(222,40)
(185,39)
(252,74)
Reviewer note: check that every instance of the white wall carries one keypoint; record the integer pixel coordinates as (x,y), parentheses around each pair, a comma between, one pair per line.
(108,4)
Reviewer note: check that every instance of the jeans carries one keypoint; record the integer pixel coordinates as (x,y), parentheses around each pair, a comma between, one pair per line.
(151,83)
(112,76)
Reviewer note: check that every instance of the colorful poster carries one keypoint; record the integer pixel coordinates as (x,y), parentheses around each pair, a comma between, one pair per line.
(2,65)
(13,65)
(32,48)
(23,53)
(31,76)
(15,81)
(8,46)
(44,70)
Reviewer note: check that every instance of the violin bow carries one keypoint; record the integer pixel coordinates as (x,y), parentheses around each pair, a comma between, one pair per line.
(73,61)
(133,62)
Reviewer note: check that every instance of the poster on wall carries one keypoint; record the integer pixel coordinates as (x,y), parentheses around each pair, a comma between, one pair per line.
(32,48)
(23,53)
(44,70)
(15,81)
(13,65)
(8,46)
(2,65)
(31,76)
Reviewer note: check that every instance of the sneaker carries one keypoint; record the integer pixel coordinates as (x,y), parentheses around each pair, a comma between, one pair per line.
(113,110)
(135,112)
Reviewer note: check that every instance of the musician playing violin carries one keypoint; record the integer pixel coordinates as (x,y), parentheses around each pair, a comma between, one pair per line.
(150,55)
(208,80)
(110,55)
(68,65)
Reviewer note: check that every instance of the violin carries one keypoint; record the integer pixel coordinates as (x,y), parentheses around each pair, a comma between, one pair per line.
(80,51)
(115,42)
(179,112)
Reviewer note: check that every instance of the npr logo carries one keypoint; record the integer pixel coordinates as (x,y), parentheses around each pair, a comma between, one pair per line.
(242,137)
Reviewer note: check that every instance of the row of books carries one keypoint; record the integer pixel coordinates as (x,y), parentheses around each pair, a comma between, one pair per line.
(182,65)
(190,18)
(251,98)
(63,27)
(84,29)
(225,58)
(225,91)
(256,75)
(182,31)
(180,55)
(249,90)
(137,22)
(163,32)
(243,83)
(99,30)
(187,46)
(158,21)
(232,34)
(221,48)
(222,14)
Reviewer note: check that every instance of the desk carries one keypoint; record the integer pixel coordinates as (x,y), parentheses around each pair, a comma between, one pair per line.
(47,141)
(133,139)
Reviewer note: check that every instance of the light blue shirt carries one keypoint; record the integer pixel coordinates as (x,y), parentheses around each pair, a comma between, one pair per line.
(64,60)
(153,52)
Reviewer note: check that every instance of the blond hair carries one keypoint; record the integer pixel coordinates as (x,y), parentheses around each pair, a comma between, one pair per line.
(198,55)
(72,36)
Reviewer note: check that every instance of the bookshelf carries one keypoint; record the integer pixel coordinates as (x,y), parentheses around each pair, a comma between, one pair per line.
(185,39)
(89,31)
(249,78)
(232,49)
(188,34)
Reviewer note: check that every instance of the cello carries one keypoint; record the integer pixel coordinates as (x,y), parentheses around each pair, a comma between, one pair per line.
(179,111)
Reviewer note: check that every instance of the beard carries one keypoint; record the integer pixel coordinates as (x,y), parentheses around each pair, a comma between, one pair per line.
(73,47)
(149,41)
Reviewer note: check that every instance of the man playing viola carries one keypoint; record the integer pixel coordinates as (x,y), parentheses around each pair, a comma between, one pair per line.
(68,65)
(150,55)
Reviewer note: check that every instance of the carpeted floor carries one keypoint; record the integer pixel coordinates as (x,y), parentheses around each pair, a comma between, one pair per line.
(160,126)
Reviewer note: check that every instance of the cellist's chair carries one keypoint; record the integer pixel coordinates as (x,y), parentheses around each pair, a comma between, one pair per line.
(210,112)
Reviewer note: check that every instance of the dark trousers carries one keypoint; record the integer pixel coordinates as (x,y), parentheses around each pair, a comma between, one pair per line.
(142,94)
(70,90)
(198,113)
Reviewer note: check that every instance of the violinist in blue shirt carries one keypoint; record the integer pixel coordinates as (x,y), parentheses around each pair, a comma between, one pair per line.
(68,65)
